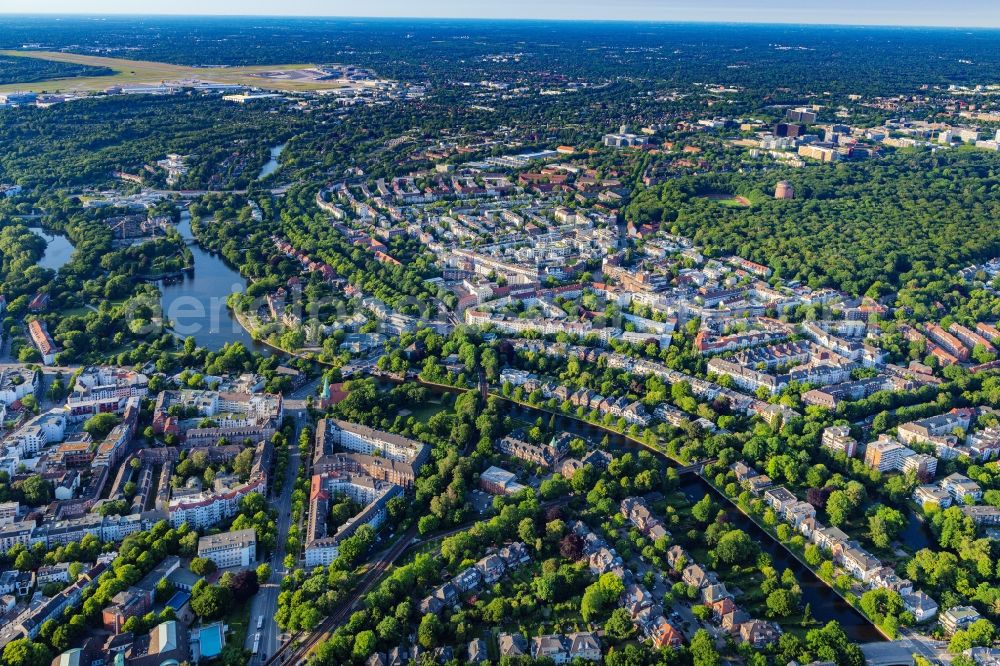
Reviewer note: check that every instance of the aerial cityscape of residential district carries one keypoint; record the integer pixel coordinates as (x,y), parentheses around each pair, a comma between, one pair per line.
(498,342)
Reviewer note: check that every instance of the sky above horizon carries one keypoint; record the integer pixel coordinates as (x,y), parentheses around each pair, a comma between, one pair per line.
(965,13)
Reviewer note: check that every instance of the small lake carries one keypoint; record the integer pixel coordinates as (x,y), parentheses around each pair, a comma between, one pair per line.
(272,164)
(196,303)
(58,249)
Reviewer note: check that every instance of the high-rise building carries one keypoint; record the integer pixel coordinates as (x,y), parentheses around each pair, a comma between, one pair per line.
(789,130)
(804,116)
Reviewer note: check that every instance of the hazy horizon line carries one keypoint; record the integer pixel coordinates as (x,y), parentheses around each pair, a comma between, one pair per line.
(506,19)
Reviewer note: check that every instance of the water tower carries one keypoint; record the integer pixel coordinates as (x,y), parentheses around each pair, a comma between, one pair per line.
(784,190)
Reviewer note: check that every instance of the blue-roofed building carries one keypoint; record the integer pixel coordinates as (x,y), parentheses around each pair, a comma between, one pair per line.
(179,600)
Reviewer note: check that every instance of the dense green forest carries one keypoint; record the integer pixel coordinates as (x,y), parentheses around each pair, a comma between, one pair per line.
(850,225)
(83,142)
(30,70)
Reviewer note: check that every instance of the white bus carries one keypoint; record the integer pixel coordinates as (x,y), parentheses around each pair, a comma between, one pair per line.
(260,623)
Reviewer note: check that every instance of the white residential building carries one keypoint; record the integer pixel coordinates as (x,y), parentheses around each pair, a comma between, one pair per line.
(230,549)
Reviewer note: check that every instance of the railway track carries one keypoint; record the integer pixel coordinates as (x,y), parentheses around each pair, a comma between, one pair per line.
(291,653)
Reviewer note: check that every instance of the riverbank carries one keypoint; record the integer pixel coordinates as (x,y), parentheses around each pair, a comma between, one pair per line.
(600,426)
(774,537)
(826,602)
(241,320)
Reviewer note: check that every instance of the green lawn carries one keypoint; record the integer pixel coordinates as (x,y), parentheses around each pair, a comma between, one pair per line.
(238,623)
(426,410)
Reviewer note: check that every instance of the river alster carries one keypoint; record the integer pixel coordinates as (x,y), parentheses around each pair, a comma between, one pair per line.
(196,304)
(825,604)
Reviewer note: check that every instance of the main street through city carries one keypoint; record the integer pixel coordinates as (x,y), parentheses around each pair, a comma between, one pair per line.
(265,602)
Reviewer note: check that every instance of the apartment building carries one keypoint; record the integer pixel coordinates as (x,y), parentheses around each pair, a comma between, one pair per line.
(948,341)
(373,494)
(42,341)
(368,441)
(962,489)
(40,431)
(932,495)
(104,389)
(8,512)
(920,464)
(230,549)
(886,454)
(959,617)
(837,439)
(935,429)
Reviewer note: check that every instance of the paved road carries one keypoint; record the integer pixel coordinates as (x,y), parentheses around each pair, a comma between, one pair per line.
(900,651)
(265,603)
(925,646)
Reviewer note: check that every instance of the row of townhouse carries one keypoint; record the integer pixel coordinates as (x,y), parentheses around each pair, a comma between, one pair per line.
(633,411)
(487,571)
(847,553)
(701,388)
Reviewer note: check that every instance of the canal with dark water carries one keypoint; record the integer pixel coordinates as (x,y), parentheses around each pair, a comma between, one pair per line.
(825,604)
(196,304)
